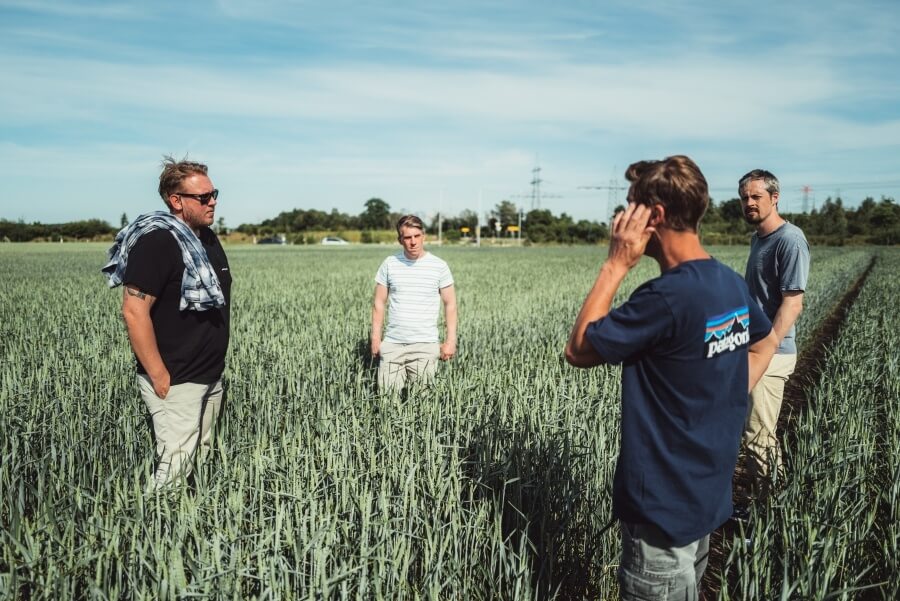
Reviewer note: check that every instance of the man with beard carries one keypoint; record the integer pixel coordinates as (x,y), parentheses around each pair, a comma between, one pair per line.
(691,343)
(777,271)
(176,310)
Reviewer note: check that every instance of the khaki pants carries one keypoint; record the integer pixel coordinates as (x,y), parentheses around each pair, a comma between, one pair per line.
(183,422)
(404,363)
(760,437)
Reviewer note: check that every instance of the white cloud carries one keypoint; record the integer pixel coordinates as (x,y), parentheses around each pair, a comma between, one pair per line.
(687,97)
(341,102)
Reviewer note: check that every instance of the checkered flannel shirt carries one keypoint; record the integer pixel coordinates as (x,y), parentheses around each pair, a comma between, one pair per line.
(200,288)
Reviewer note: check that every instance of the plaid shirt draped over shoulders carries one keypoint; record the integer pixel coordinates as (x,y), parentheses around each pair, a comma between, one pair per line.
(200,288)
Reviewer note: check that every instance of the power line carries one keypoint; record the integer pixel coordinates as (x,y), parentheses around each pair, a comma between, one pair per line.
(612,188)
(536,194)
(806,190)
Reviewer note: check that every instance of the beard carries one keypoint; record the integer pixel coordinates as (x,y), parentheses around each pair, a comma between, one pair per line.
(753,217)
(198,219)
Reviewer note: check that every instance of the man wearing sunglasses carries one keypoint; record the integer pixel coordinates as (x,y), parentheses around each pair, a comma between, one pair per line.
(176,309)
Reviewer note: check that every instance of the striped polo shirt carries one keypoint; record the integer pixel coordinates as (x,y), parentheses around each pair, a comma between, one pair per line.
(414,301)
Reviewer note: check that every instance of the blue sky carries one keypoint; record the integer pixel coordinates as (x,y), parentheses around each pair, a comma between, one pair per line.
(435,105)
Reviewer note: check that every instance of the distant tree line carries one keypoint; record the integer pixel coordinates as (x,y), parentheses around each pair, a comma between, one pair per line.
(90,229)
(376,216)
(831,224)
(538,226)
(872,222)
(502,222)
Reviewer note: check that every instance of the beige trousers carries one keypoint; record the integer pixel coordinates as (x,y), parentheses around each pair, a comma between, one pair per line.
(760,438)
(404,363)
(183,422)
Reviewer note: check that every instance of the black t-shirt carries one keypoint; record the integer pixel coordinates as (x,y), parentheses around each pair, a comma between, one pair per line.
(192,344)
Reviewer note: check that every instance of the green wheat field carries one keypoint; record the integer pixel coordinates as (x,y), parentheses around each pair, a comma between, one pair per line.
(493,484)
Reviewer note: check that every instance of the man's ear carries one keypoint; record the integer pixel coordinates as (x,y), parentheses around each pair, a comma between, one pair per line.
(657,215)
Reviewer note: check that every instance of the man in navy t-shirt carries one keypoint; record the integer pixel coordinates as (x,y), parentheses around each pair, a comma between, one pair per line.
(692,343)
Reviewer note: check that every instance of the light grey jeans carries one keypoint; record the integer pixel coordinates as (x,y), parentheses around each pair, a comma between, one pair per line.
(402,363)
(652,569)
(183,422)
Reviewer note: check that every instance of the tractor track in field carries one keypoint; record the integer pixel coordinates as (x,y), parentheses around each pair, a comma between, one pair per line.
(806,376)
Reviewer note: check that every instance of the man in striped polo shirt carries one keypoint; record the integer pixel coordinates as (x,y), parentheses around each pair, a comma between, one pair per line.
(412,284)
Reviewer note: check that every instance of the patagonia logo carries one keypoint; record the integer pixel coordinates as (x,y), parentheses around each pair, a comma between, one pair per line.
(727,332)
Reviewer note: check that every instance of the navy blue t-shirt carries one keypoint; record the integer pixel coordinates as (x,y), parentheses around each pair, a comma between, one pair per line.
(682,339)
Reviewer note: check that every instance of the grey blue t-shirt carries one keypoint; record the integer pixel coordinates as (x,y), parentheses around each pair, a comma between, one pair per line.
(778,262)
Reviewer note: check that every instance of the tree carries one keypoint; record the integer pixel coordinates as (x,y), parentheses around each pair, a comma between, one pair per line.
(123,221)
(220,226)
(858,220)
(731,211)
(833,220)
(885,215)
(539,217)
(377,215)
(885,222)
(468,218)
(506,213)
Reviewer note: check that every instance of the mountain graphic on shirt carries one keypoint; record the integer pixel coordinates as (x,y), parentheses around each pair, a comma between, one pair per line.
(721,325)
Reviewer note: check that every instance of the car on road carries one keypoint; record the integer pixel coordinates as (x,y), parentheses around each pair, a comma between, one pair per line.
(272,240)
(333,240)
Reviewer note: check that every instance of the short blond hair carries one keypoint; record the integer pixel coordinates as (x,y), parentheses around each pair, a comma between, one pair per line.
(174,172)
(409,221)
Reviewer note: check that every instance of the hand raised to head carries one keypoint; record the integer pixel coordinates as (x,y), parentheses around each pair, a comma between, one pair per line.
(630,234)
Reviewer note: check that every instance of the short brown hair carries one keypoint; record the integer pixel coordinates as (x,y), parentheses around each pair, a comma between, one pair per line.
(677,184)
(174,172)
(409,221)
(768,178)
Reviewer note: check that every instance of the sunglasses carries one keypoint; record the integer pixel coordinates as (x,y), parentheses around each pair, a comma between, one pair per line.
(202,198)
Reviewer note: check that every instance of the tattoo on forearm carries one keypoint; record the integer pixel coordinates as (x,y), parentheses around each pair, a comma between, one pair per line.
(135,292)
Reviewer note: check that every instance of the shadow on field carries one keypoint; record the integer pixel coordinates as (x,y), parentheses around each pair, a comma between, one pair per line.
(528,478)
(367,363)
(806,376)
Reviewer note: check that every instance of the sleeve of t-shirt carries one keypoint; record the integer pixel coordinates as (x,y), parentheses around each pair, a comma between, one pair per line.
(381,276)
(446,278)
(633,328)
(151,260)
(760,326)
(793,259)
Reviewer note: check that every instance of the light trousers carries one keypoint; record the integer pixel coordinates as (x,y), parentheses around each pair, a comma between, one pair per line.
(183,424)
(403,363)
(760,438)
(653,569)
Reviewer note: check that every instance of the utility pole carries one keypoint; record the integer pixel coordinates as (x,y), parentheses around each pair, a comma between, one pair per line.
(806,190)
(478,227)
(520,227)
(612,197)
(536,188)
(536,194)
(440,220)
